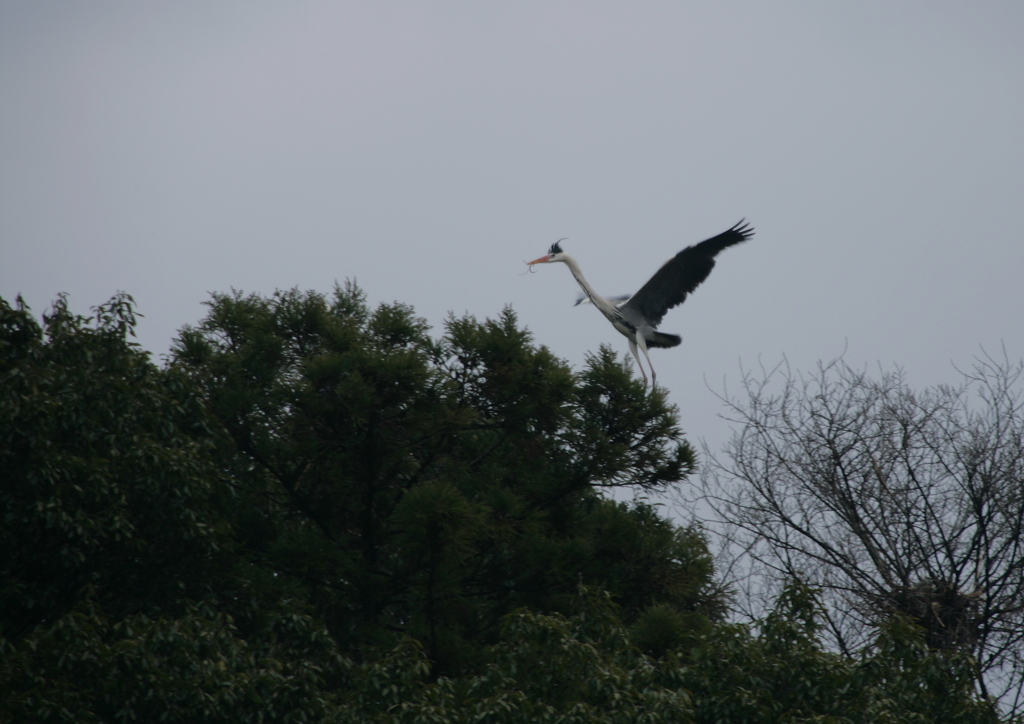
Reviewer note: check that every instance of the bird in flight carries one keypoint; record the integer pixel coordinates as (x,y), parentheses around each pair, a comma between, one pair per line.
(639,316)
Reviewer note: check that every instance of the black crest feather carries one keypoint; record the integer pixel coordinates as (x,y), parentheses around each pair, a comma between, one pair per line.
(556,248)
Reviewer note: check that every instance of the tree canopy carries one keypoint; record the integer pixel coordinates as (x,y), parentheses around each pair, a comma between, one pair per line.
(426,488)
(315,511)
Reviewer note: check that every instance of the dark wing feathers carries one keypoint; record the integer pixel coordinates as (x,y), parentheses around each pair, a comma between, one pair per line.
(681,274)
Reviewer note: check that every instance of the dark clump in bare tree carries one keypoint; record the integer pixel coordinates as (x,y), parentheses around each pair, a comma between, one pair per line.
(892,501)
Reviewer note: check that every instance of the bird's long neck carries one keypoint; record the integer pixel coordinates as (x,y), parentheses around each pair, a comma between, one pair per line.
(596,299)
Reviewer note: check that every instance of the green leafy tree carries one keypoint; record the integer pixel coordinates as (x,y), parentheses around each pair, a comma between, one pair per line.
(544,668)
(581,667)
(785,673)
(408,486)
(104,467)
(192,666)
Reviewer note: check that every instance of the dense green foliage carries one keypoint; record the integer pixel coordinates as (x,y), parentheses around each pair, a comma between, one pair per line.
(317,512)
(410,487)
(106,475)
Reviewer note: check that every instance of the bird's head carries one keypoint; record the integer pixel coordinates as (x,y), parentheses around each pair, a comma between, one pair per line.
(555,253)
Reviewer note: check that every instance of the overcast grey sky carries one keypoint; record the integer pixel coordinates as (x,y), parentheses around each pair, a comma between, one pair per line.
(171,150)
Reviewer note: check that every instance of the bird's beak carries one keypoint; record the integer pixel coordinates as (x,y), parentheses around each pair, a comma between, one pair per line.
(541,260)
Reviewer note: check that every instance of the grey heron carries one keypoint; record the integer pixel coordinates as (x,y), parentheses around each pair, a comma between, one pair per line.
(638,317)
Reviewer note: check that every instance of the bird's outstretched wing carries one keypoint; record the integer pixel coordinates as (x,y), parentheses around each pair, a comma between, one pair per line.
(681,274)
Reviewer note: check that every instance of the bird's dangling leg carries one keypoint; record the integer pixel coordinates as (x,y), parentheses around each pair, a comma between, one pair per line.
(632,348)
(643,348)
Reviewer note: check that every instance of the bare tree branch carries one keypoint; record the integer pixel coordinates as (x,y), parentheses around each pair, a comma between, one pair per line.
(889,500)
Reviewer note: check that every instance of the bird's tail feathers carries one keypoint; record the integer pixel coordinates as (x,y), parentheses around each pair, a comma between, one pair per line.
(662,339)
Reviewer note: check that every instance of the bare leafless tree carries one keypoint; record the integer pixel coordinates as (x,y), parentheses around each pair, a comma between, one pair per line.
(890,501)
